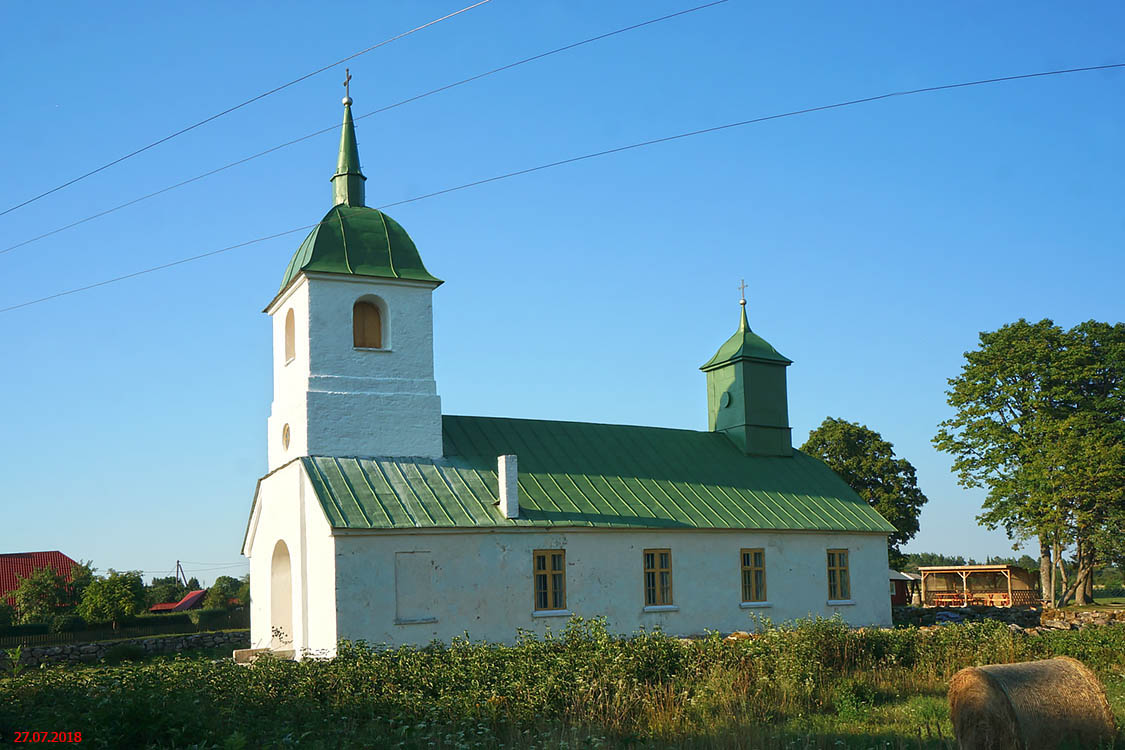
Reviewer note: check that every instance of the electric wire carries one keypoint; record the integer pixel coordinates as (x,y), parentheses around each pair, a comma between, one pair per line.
(236,107)
(336,126)
(571,160)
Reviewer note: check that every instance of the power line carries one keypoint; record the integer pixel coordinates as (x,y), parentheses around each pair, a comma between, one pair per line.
(571,160)
(336,126)
(837,105)
(251,100)
(154,268)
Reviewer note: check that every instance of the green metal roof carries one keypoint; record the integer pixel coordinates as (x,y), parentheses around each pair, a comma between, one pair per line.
(582,474)
(361,241)
(745,344)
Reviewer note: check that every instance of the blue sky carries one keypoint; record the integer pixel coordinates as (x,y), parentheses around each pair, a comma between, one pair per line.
(877,241)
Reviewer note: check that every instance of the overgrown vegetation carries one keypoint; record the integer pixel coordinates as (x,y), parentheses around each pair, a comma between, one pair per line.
(815,684)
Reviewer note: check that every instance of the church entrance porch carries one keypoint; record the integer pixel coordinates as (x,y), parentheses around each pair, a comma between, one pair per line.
(281,599)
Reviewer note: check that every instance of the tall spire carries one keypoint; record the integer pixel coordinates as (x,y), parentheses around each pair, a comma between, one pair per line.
(347,183)
(744,325)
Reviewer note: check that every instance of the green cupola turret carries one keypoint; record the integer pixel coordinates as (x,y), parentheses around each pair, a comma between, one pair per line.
(353,238)
(746,393)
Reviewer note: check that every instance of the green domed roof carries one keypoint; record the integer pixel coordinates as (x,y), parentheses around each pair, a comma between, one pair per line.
(353,238)
(745,344)
(361,241)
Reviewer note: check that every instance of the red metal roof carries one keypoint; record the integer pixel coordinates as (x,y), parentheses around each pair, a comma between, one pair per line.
(17,565)
(192,600)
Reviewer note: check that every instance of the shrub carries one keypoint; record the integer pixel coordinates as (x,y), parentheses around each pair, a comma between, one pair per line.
(120,652)
(209,618)
(160,618)
(30,628)
(68,623)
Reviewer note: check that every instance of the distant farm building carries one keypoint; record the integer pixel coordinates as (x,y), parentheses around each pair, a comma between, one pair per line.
(193,600)
(903,587)
(15,566)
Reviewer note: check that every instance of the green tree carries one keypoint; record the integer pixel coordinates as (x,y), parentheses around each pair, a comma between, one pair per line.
(1039,419)
(914,560)
(81,575)
(221,592)
(244,590)
(7,615)
(868,464)
(39,595)
(113,597)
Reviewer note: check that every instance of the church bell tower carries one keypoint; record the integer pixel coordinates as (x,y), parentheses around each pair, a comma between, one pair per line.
(746,393)
(353,355)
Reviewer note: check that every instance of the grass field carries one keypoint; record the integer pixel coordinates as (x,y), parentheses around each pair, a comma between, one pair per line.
(809,685)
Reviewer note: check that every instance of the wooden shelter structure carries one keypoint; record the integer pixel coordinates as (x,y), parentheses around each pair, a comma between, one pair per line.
(993,585)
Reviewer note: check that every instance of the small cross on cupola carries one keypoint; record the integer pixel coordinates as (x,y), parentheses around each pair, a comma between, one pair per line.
(347,86)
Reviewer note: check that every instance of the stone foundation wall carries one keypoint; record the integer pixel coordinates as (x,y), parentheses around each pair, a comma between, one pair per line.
(76,653)
(1027,619)
(1080,620)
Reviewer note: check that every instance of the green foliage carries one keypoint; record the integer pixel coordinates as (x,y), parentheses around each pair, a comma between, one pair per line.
(164,590)
(583,687)
(868,464)
(163,618)
(113,598)
(7,616)
(67,623)
(14,655)
(221,592)
(209,618)
(243,593)
(1040,423)
(40,594)
(120,652)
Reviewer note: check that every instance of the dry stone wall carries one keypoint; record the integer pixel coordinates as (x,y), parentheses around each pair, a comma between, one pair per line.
(88,653)
(1026,619)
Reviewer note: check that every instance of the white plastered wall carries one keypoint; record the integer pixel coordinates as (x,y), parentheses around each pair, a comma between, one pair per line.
(287,509)
(481,582)
(290,378)
(340,400)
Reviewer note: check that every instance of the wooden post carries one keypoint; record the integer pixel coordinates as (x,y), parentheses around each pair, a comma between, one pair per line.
(964,588)
(1008,574)
(923,585)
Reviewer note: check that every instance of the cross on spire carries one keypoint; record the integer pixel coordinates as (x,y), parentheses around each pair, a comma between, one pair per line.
(347,87)
(742,288)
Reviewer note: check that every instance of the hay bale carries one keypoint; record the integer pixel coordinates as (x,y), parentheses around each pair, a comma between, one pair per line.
(1030,706)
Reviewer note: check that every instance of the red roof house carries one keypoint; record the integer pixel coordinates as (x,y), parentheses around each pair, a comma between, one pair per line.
(193,600)
(17,565)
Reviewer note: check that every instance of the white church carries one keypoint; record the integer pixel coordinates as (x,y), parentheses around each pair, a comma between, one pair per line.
(383,519)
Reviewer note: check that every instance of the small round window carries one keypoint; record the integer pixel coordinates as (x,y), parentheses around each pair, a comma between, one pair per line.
(285,436)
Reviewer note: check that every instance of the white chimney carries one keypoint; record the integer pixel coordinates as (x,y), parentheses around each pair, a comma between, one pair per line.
(509,486)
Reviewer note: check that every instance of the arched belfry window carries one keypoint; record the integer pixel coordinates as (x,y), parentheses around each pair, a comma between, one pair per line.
(290,336)
(367,325)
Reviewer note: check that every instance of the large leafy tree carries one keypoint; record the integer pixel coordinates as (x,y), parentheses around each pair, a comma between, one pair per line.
(113,597)
(869,465)
(42,594)
(221,592)
(1038,423)
(39,595)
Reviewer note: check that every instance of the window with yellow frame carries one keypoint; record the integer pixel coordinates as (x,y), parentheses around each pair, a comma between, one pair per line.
(839,588)
(549,572)
(753,575)
(658,577)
